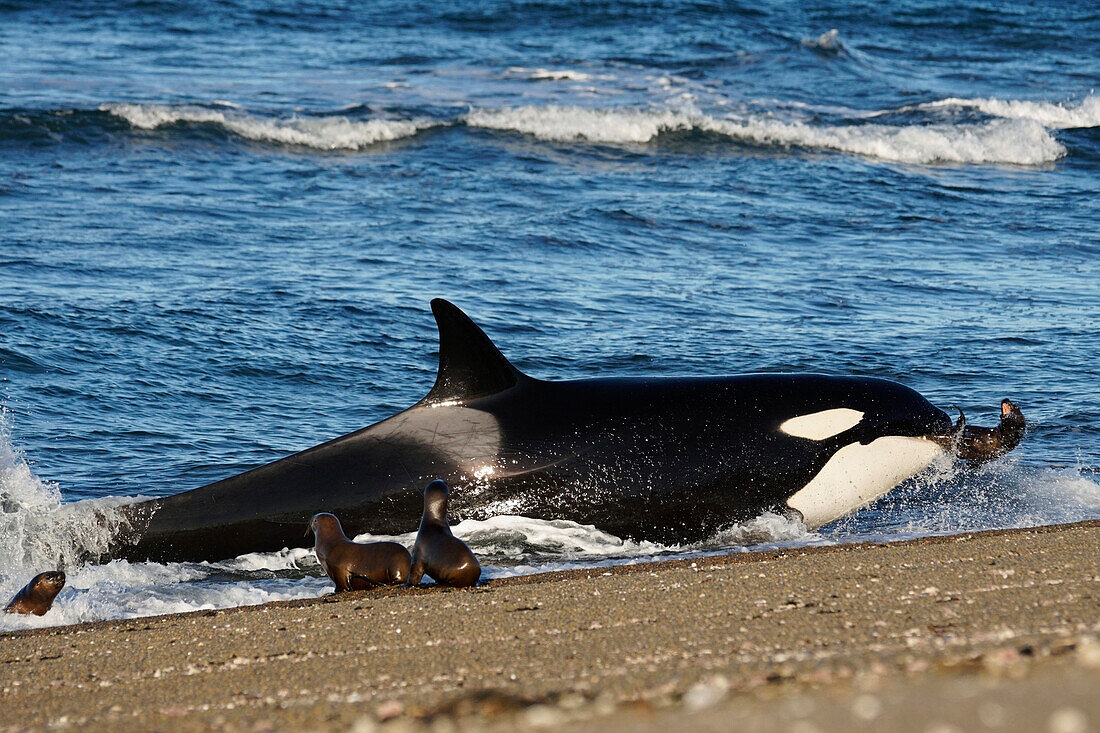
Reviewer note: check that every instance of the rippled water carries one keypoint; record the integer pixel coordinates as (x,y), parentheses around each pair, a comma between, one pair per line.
(223,222)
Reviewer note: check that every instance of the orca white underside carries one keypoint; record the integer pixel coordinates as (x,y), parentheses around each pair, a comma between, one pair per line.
(858,474)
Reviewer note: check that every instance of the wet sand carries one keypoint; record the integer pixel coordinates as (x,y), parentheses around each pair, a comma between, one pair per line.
(983,631)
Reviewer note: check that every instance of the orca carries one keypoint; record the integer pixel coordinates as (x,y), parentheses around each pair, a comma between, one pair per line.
(664,458)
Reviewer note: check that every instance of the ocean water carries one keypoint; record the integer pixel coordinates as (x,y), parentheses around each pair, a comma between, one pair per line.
(222,223)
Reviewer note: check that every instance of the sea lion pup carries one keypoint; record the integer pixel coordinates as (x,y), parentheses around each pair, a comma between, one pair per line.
(437,552)
(353,566)
(985,444)
(37,596)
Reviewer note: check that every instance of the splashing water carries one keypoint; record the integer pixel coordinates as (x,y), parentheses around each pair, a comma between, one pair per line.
(954,498)
(37,530)
(510,545)
(1085,114)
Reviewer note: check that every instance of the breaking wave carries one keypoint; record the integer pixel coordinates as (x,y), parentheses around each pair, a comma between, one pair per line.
(322,133)
(1048,114)
(1017,142)
(1020,134)
(566,124)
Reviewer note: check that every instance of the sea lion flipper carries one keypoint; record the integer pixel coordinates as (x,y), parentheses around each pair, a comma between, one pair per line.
(344,583)
(399,570)
(416,573)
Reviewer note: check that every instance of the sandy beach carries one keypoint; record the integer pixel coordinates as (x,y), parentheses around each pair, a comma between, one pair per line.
(984,631)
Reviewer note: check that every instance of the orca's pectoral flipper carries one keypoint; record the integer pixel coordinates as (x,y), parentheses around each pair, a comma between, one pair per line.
(470,365)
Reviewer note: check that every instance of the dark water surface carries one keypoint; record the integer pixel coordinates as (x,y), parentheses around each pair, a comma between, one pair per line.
(222,223)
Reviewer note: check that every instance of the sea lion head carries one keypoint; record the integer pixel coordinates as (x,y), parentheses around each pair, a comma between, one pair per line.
(325,525)
(1013,425)
(1011,411)
(436,496)
(49,583)
(37,596)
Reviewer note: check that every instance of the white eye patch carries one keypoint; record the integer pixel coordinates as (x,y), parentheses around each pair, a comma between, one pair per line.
(822,425)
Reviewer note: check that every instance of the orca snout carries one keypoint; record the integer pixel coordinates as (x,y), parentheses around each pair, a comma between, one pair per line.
(917,418)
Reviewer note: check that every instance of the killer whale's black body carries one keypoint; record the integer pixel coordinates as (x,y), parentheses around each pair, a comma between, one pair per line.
(667,459)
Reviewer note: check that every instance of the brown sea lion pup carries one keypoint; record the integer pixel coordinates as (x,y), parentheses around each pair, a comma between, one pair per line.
(37,596)
(985,444)
(437,552)
(353,566)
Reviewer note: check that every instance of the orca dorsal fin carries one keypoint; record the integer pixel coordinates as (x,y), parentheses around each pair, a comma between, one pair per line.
(470,365)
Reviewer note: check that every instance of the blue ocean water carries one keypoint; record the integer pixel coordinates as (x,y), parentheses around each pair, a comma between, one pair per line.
(222,223)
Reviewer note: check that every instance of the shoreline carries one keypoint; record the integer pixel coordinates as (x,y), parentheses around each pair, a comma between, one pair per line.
(730,556)
(862,633)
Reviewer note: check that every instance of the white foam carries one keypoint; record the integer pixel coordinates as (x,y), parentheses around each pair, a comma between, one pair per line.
(827,41)
(563,124)
(1015,142)
(510,546)
(1018,142)
(1048,114)
(293,558)
(549,74)
(1005,494)
(37,531)
(322,133)
(120,590)
(509,538)
(769,527)
(1020,137)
